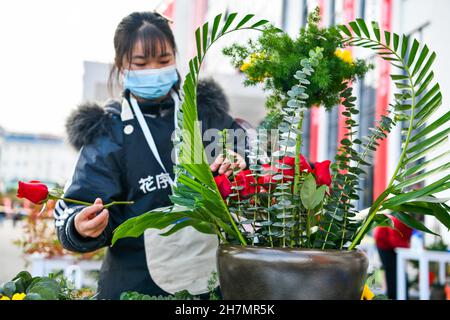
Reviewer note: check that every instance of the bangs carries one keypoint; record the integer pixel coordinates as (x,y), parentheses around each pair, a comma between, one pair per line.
(154,42)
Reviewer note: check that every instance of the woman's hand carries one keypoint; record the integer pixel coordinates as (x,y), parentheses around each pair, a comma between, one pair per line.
(88,223)
(225,166)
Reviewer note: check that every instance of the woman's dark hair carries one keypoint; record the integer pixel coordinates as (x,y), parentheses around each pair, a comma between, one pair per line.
(151,29)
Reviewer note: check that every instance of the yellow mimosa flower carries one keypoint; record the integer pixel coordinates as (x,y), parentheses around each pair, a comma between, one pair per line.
(5,298)
(367,293)
(344,55)
(18,296)
(250,61)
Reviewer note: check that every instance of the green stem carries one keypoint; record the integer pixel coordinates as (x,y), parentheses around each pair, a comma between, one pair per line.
(106,206)
(269,201)
(117,202)
(298,146)
(220,234)
(308,229)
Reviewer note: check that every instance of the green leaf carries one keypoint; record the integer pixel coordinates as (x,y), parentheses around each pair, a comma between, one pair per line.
(423,55)
(396,39)
(431,127)
(405,197)
(405,40)
(205,37)
(215,27)
(411,222)
(413,180)
(259,23)
(441,213)
(428,141)
(425,206)
(425,68)
(429,109)
(423,165)
(229,21)
(426,151)
(178,226)
(412,54)
(319,195)
(387,37)
(382,220)
(399,77)
(244,20)
(363,26)
(344,29)
(355,28)
(376,30)
(425,84)
(426,97)
(307,192)
(199,44)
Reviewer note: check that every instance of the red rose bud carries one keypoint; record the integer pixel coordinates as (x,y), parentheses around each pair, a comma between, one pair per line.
(304,165)
(322,173)
(246,180)
(35,191)
(224,185)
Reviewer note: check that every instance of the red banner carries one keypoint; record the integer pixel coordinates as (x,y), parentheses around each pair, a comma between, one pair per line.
(382,102)
(315,112)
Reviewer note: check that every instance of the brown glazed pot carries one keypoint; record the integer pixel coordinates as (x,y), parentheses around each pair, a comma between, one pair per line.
(258,273)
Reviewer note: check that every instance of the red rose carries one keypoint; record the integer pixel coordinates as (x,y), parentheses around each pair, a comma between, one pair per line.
(322,173)
(224,185)
(246,180)
(304,165)
(35,191)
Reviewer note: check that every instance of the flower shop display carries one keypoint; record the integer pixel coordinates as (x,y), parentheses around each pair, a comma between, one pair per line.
(289,230)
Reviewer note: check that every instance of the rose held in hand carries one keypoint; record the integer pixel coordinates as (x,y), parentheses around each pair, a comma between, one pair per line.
(38,193)
(35,191)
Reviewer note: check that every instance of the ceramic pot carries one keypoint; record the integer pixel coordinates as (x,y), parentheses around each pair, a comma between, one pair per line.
(258,273)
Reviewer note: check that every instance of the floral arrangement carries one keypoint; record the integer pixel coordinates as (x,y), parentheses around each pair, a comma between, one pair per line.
(274,58)
(280,204)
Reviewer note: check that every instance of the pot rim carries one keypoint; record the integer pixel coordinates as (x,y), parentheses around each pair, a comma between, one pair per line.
(287,249)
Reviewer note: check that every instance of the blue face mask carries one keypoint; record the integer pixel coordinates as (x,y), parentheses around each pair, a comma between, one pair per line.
(150,83)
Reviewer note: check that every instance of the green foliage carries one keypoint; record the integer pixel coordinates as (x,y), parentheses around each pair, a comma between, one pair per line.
(133,295)
(292,210)
(52,287)
(213,283)
(416,101)
(275,57)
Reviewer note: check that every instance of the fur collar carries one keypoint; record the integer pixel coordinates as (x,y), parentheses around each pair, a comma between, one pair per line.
(90,120)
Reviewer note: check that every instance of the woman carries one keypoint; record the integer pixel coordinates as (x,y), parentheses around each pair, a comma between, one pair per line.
(125,154)
(387,240)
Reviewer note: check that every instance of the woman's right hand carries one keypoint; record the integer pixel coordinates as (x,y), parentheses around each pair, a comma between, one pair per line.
(88,223)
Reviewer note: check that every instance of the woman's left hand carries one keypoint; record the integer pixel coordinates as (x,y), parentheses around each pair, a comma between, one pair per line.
(224,164)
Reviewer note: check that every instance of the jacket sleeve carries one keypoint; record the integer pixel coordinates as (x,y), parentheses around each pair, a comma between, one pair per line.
(97,174)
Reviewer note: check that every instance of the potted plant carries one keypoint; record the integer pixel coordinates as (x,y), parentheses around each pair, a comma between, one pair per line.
(289,230)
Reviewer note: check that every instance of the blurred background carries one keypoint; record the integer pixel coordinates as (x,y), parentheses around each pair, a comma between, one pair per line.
(57,54)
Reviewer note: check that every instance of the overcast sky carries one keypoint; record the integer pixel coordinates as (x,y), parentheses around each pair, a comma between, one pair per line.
(43,46)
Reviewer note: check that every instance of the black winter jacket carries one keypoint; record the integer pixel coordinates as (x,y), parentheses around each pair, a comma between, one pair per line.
(113,165)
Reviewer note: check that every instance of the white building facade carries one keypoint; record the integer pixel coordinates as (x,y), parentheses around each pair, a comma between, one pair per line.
(34,157)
